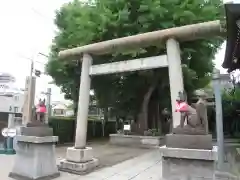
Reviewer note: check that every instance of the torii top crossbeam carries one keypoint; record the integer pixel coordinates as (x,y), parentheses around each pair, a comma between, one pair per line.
(183,33)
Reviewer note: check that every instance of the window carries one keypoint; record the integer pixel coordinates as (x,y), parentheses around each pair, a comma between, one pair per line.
(15,109)
(58,112)
(3,86)
(16,98)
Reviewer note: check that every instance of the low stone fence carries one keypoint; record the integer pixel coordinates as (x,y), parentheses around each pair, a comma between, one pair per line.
(136,141)
(225,176)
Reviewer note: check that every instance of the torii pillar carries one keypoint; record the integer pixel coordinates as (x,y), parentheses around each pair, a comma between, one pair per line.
(79,159)
(175,76)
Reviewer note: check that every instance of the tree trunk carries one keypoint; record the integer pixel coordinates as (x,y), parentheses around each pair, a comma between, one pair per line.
(106,114)
(75,108)
(75,104)
(151,114)
(105,119)
(143,115)
(119,124)
(158,119)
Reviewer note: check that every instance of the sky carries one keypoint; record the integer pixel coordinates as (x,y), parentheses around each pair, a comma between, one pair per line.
(27,29)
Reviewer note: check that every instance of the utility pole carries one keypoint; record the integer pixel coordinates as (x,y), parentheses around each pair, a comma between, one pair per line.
(49,91)
(29,96)
(11,125)
(30,88)
(48,104)
(32,67)
(11,117)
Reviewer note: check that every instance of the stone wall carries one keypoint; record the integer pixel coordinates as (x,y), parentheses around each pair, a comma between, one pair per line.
(136,141)
(225,176)
(190,169)
(186,169)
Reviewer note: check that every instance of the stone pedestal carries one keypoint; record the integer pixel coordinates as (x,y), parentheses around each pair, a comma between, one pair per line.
(189,141)
(194,164)
(35,156)
(79,161)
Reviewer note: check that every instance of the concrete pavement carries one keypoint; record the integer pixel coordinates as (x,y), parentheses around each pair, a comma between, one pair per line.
(144,167)
(115,163)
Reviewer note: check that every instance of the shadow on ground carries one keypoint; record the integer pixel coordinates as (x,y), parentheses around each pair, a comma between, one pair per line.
(107,154)
(232,158)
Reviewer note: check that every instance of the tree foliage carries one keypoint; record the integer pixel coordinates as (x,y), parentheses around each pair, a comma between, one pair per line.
(231,107)
(132,93)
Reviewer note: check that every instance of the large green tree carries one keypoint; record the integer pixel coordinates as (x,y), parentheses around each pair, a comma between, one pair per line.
(135,93)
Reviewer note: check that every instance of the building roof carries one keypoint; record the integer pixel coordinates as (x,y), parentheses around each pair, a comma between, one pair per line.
(232,54)
(6,77)
(60,106)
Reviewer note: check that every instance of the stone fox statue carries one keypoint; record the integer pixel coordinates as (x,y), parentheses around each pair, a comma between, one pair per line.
(196,117)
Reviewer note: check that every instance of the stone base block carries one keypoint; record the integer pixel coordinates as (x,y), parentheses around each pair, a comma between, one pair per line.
(20,177)
(181,153)
(36,140)
(7,151)
(79,155)
(36,124)
(189,130)
(35,158)
(179,163)
(225,176)
(174,168)
(36,131)
(189,141)
(78,168)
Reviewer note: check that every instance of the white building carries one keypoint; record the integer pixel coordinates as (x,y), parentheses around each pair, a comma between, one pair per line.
(11,97)
(61,109)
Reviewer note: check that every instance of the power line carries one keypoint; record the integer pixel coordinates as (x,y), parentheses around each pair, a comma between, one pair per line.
(32,59)
(38,13)
(45,17)
(44,55)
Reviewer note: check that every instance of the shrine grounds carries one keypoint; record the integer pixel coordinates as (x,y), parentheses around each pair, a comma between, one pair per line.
(124,163)
(108,156)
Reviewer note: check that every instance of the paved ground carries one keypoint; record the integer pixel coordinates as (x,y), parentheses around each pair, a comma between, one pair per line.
(108,156)
(117,163)
(144,167)
(103,151)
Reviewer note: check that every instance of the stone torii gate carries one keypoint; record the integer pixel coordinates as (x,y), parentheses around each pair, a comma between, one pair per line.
(79,158)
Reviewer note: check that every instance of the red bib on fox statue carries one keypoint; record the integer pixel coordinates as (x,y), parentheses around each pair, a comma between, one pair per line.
(181,106)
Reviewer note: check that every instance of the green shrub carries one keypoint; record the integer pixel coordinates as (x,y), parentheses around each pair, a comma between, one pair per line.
(65,127)
(231,106)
